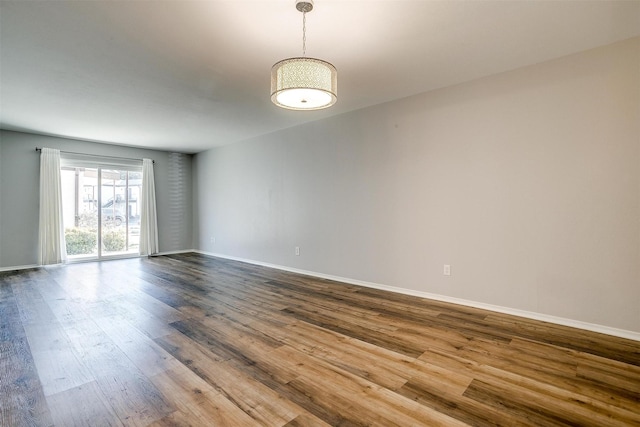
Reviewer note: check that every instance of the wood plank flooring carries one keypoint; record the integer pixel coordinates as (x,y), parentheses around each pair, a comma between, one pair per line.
(193,340)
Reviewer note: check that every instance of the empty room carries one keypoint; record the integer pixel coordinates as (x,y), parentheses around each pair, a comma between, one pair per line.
(294,213)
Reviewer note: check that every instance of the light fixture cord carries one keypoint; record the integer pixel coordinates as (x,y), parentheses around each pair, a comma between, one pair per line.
(304,33)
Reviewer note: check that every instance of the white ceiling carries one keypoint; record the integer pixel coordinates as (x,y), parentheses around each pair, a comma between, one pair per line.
(191,75)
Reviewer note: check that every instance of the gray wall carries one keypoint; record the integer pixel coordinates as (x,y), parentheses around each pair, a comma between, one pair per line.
(527,183)
(19,183)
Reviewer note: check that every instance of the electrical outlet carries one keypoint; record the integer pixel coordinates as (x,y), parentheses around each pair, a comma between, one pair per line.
(447,270)
(213,240)
(297,250)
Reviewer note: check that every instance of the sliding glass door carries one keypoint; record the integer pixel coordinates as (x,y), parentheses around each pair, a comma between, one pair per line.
(101,211)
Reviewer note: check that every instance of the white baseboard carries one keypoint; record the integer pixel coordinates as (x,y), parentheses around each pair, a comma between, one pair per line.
(622,333)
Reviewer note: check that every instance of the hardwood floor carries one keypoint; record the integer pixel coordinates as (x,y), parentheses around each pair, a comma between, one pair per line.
(193,340)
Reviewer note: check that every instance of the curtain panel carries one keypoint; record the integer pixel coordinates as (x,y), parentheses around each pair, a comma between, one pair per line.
(51,243)
(148,216)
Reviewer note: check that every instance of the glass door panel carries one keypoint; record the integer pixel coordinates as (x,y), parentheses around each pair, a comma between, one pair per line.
(79,207)
(118,209)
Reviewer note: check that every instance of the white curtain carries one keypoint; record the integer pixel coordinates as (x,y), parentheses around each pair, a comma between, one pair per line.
(51,244)
(148,219)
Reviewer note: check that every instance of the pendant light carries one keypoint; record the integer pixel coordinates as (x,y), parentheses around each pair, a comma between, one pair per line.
(304,83)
